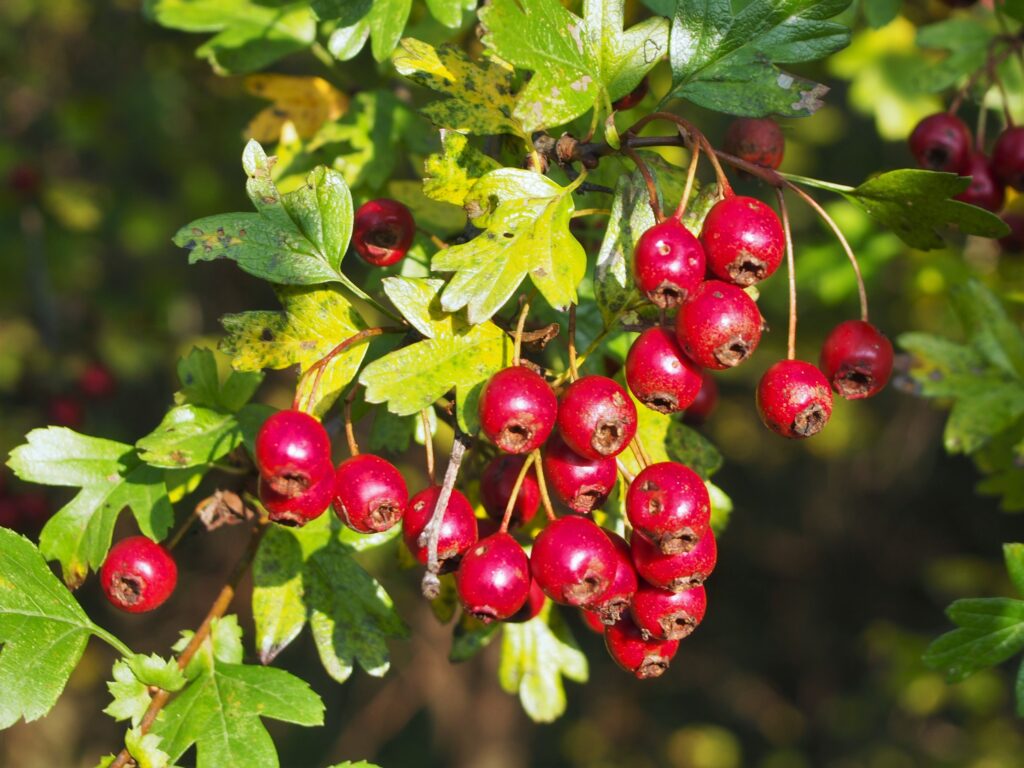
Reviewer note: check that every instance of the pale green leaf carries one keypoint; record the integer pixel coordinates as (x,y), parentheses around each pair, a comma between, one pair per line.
(452,173)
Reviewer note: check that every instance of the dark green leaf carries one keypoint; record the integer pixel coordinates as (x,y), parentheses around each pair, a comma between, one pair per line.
(881,12)
(965,40)
(201,383)
(690,447)
(1013,554)
(992,630)
(989,328)
(471,637)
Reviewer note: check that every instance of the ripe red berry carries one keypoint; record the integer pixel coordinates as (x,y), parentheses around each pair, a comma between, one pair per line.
(669,504)
(493,580)
(382,232)
(632,98)
(592,621)
(24,179)
(941,142)
(10,514)
(1008,158)
(581,484)
(138,575)
(65,411)
(669,263)
(573,561)
(664,615)
(97,381)
(458,525)
(985,191)
(616,599)
(743,240)
(794,399)
(298,509)
(292,448)
(857,359)
(659,374)
(683,570)
(496,484)
(517,409)
(720,326)
(704,404)
(369,493)
(756,140)
(643,658)
(596,417)
(533,605)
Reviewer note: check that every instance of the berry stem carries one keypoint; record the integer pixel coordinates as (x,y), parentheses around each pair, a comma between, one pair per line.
(320,365)
(350,435)
(638,454)
(542,484)
(791,270)
(518,344)
(573,371)
(437,241)
(428,445)
(520,478)
(691,174)
(432,532)
(623,470)
(652,188)
(591,212)
(979,130)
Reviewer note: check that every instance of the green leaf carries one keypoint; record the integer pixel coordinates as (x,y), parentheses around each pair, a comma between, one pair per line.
(454,354)
(1015,10)
(535,655)
(471,636)
(965,40)
(1013,554)
(350,764)
(451,174)
(145,749)
(190,436)
(111,477)
(880,12)
(631,216)
(991,631)
(202,384)
(313,322)
(131,697)
(941,367)
(381,20)
(1019,690)
(726,61)
(578,64)
(155,670)
(982,410)
(989,328)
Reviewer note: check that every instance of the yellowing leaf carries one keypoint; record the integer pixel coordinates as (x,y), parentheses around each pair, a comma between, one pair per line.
(453,172)
(307,102)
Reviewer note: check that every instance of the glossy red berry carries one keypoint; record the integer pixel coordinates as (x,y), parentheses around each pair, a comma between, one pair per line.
(985,191)
(794,399)
(643,658)
(1008,158)
(720,326)
(458,525)
(592,621)
(369,493)
(581,484)
(661,614)
(675,572)
(669,504)
(65,411)
(533,605)
(941,142)
(743,240)
(299,508)
(659,374)
(573,561)
(596,417)
(517,409)
(669,263)
(857,359)
(632,98)
(382,232)
(756,140)
(496,484)
(138,575)
(292,449)
(704,404)
(493,580)
(616,599)
(96,381)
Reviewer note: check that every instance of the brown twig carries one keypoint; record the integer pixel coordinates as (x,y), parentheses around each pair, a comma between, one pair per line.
(431,535)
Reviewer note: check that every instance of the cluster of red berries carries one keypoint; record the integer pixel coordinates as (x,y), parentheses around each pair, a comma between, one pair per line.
(67,409)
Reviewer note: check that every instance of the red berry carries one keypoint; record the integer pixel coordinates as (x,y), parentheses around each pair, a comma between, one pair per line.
(298,509)
(1008,158)
(10,513)
(533,606)
(596,417)
(743,240)
(669,504)
(720,326)
(382,232)
(581,484)
(616,599)
(497,482)
(669,263)
(573,561)
(756,140)
(97,381)
(632,98)
(517,409)
(24,179)
(659,374)
(857,359)
(138,575)
(794,399)
(664,615)
(1014,241)
(66,411)
(458,525)
(369,493)
(683,570)
(292,449)
(984,191)
(493,579)
(643,658)
(704,404)
(941,142)
(592,620)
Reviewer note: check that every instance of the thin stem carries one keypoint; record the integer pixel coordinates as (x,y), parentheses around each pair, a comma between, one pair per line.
(573,371)
(638,454)
(724,187)
(110,640)
(520,478)
(979,129)
(791,269)
(691,174)
(542,484)
(518,344)
(437,241)
(186,524)
(350,434)
(320,365)
(428,445)
(652,187)
(624,471)
(431,535)
(591,212)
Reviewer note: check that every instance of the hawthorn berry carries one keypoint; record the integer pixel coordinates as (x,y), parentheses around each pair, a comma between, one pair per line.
(382,232)
(573,561)
(704,404)
(669,504)
(941,142)
(794,399)
(299,508)
(669,263)
(458,525)
(857,359)
(138,575)
(493,580)
(632,98)
(596,417)
(1014,241)
(643,658)
(96,381)
(496,484)
(616,599)
(532,607)
(592,621)
(65,411)
(743,240)
(10,513)
(985,191)
(580,483)
(720,326)
(292,450)
(1008,157)
(756,140)
(661,614)
(369,493)
(678,571)
(517,409)
(659,374)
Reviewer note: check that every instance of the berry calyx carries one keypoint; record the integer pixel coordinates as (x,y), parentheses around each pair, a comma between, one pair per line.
(292,450)
(493,580)
(382,232)
(517,409)
(794,399)
(632,98)
(675,572)
(659,374)
(643,658)
(532,607)
(369,493)
(298,509)
(596,417)
(138,575)
(573,561)
(592,621)
(458,525)
(720,326)
(941,142)
(743,240)
(985,191)
(616,599)
(704,404)
(756,140)
(580,483)
(669,263)
(1008,158)
(664,615)
(496,484)
(669,504)
(857,359)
